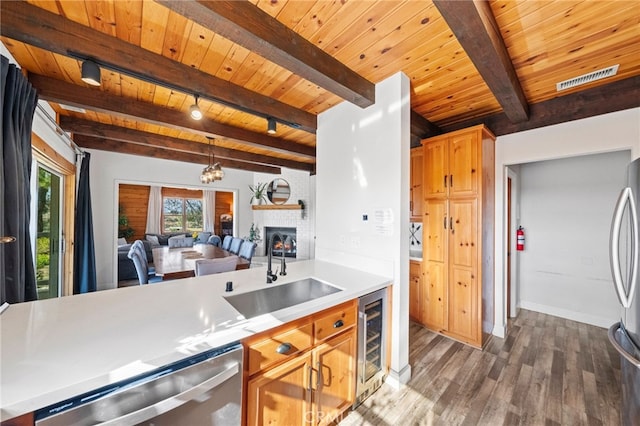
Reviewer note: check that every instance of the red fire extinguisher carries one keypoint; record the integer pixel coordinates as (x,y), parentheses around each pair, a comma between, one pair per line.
(520,239)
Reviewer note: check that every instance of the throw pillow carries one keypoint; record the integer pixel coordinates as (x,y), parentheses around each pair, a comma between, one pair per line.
(122,241)
(153,240)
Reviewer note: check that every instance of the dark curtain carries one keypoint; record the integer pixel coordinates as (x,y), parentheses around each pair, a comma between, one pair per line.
(18,104)
(84,256)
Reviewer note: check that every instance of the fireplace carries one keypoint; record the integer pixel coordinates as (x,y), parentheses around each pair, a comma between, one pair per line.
(288,245)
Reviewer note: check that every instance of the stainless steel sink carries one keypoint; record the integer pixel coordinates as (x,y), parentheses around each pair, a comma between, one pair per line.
(271,299)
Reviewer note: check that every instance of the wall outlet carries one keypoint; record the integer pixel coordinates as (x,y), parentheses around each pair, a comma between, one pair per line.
(355,242)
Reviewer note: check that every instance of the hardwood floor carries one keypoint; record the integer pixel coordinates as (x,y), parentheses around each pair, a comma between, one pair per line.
(547,371)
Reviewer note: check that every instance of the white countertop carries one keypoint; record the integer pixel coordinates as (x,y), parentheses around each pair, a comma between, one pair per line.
(55,349)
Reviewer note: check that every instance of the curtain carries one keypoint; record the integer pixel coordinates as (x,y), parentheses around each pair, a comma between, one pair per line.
(154,211)
(18,103)
(84,256)
(209,210)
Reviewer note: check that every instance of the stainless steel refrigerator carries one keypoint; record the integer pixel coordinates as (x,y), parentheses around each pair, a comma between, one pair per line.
(625,259)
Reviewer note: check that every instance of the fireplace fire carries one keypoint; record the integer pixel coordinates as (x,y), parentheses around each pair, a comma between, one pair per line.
(288,245)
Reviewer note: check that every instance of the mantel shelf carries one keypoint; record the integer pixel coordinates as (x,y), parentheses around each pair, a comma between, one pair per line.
(276,207)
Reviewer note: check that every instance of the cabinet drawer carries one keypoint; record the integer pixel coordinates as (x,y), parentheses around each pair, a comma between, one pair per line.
(335,320)
(265,353)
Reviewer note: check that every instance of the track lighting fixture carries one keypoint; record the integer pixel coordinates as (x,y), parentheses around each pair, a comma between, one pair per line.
(271,126)
(194,110)
(90,73)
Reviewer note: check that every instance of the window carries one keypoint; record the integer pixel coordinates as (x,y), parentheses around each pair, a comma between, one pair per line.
(181,214)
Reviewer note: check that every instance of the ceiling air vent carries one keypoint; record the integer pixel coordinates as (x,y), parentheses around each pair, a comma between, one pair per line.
(587,78)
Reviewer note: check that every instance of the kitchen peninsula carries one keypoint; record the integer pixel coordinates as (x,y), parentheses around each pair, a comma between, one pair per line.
(58,348)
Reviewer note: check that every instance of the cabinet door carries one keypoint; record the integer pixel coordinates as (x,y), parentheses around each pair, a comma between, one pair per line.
(434,169)
(463,164)
(434,262)
(415,291)
(463,252)
(463,233)
(416,183)
(463,304)
(335,364)
(281,395)
(434,313)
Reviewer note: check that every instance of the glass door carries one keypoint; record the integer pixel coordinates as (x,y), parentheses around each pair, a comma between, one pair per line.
(374,345)
(48,233)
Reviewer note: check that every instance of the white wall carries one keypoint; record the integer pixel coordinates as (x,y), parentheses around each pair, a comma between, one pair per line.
(616,131)
(566,210)
(108,169)
(363,168)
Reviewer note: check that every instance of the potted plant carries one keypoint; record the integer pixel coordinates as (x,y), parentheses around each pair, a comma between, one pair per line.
(259,192)
(254,234)
(124,230)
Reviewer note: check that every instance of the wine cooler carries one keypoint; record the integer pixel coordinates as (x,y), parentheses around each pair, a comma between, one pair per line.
(372,344)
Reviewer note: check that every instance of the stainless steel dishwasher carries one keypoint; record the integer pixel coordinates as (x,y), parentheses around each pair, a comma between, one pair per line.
(205,389)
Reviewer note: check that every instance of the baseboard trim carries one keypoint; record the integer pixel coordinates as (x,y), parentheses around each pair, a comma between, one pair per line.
(595,320)
(398,379)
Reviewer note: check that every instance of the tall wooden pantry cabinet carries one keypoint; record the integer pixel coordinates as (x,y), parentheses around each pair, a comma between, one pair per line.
(458,234)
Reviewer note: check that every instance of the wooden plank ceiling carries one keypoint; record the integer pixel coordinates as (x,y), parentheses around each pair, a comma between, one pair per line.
(494,62)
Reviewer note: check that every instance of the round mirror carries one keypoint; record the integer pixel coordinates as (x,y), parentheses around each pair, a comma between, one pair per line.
(278,191)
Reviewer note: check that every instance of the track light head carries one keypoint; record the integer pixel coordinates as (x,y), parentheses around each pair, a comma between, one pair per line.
(194,110)
(90,73)
(271,126)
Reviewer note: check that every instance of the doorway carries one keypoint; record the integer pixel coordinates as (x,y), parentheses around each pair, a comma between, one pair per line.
(48,233)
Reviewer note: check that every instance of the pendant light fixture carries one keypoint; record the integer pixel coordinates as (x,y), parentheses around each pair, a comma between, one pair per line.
(194,110)
(90,73)
(213,171)
(271,126)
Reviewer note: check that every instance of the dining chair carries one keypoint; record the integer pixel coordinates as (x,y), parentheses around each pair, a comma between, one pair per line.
(214,240)
(247,250)
(235,245)
(217,265)
(142,269)
(226,243)
(180,241)
(139,245)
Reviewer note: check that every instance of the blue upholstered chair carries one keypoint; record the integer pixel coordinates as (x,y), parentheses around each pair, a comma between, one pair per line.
(139,246)
(142,268)
(215,266)
(226,243)
(247,249)
(214,240)
(235,245)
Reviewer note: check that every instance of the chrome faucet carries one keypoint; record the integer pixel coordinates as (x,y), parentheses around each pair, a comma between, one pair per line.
(271,277)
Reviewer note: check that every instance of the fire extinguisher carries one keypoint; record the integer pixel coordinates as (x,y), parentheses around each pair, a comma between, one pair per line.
(520,239)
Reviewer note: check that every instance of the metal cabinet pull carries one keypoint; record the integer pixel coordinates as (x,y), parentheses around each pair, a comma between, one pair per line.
(451,223)
(283,348)
(445,222)
(309,388)
(338,324)
(451,181)
(445,181)
(319,378)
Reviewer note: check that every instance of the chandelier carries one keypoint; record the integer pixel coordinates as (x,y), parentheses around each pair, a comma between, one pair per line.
(213,171)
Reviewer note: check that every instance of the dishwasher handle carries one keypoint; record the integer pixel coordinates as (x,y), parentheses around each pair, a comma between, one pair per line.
(175,401)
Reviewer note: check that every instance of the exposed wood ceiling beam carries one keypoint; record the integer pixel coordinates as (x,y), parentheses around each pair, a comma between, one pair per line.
(38,27)
(247,25)
(476,29)
(50,89)
(111,145)
(422,128)
(616,96)
(79,126)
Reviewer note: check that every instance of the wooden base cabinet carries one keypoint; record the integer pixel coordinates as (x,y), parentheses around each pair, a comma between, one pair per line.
(415,190)
(458,291)
(415,290)
(306,384)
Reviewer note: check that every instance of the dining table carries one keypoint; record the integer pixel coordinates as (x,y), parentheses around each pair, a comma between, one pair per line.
(180,262)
